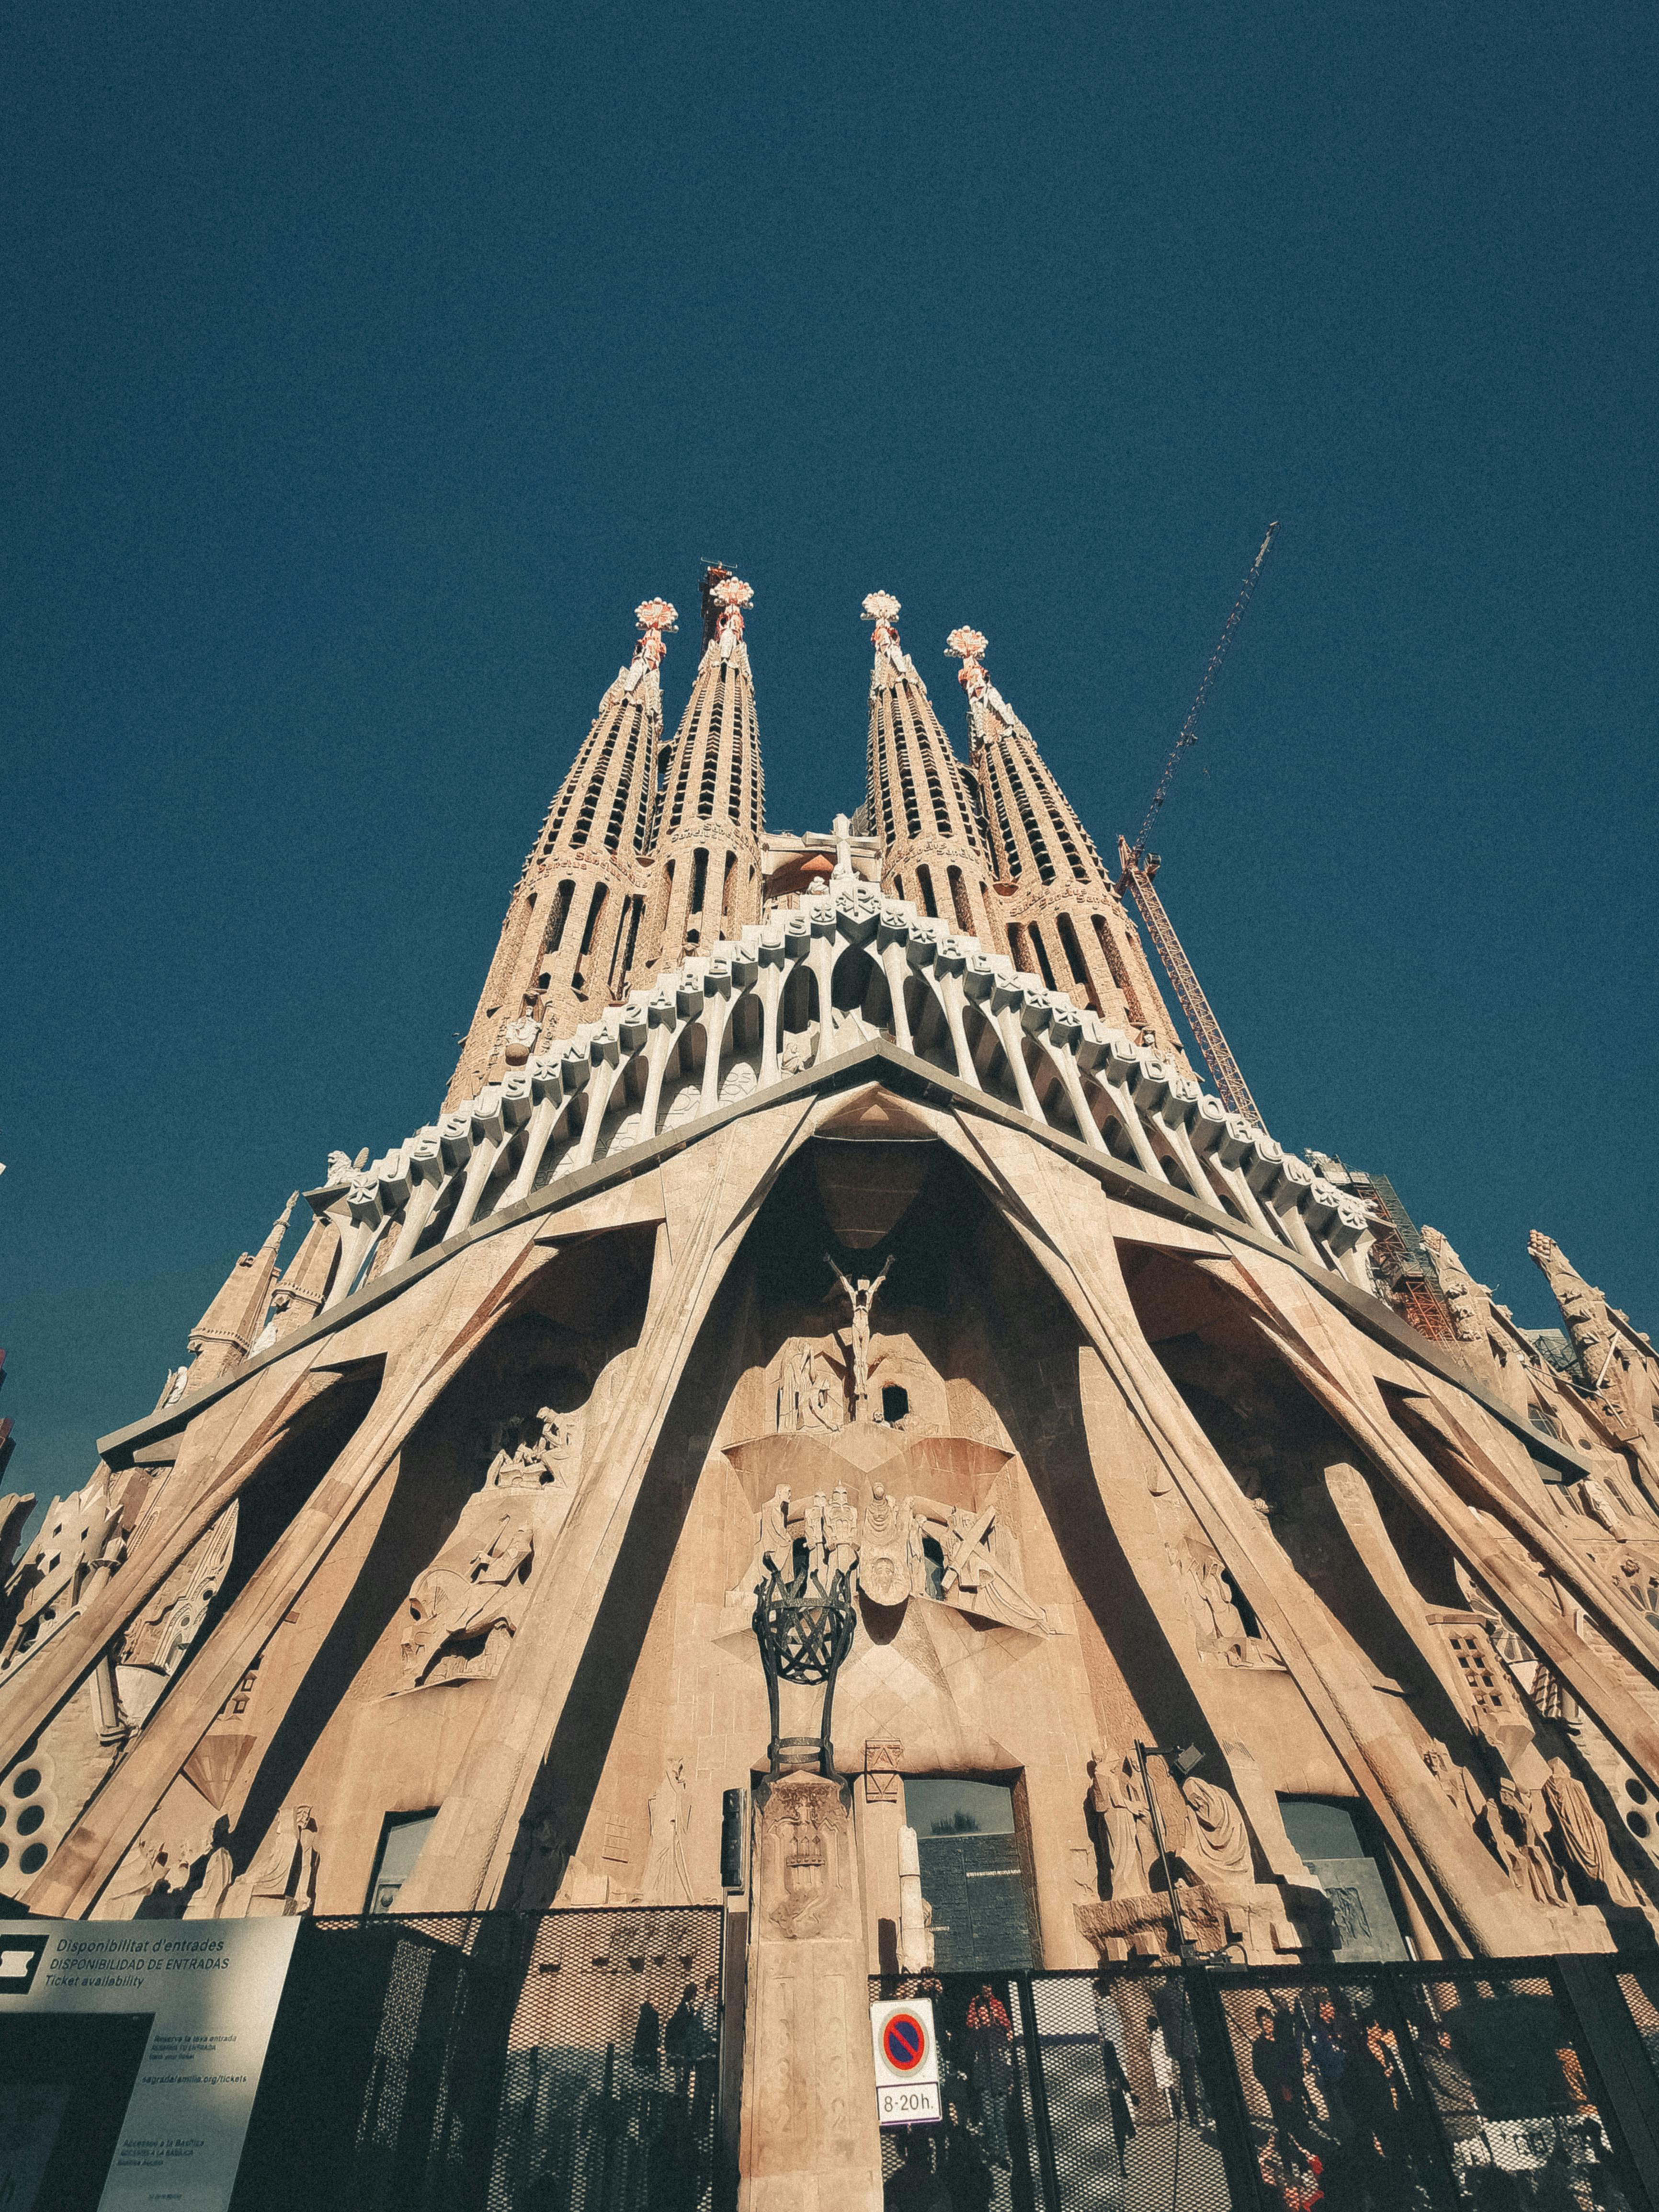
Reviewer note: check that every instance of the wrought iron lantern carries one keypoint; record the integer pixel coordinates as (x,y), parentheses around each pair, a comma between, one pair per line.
(805,1630)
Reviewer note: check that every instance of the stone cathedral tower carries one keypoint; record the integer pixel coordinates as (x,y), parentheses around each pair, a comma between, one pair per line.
(849,1199)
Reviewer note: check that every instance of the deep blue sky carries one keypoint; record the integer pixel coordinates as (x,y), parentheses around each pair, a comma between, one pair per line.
(366,365)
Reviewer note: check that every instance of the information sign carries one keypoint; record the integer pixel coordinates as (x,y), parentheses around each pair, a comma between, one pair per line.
(907,2063)
(195,1999)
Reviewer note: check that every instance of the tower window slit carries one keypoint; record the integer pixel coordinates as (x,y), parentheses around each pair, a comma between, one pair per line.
(725,887)
(1074,952)
(561,899)
(960,900)
(912,813)
(1013,858)
(925,879)
(598,902)
(699,879)
(1041,950)
(624,784)
(635,908)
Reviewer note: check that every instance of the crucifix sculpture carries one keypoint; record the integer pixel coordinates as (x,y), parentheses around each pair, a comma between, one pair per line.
(861,1298)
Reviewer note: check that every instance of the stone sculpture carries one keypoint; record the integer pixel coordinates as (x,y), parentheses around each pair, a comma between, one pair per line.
(1217,1845)
(218,1874)
(1121,1804)
(885,1567)
(861,1298)
(841,1534)
(478,1605)
(666,1879)
(1583,1838)
(530,1453)
(1532,1870)
(282,1882)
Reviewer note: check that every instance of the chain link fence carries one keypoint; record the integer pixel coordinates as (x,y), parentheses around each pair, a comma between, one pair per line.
(558,2062)
(1503,2087)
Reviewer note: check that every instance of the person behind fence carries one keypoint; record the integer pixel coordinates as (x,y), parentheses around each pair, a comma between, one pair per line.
(1169,2003)
(970,2182)
(682,2039)
(1331,2042)
(1120,2097)
(1165,2078)
(1276,2063)
(912,2186)
(647,2039)
(1377,2098)
(1108,2020)
(1450,2083)
(991,2043)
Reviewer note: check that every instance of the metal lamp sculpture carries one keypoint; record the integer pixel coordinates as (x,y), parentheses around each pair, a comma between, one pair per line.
(805,1630)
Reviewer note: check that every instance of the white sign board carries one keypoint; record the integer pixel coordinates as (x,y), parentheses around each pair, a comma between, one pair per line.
(907,2063)
(210,1989)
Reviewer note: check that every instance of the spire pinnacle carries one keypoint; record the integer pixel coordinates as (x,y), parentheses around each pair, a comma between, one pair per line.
(731,595)
(968,646)
(654,616)
(880,608)
(279,1227)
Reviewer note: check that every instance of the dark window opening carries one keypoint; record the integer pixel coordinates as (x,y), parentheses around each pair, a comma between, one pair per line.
(592,921)
(401,1840)
(960,900)
(566,892)
(1072,949)
(1241,1604)
(1041,950)
(1338,1840)
(970,1840)
(895,1402)
(699,879)
(924,880)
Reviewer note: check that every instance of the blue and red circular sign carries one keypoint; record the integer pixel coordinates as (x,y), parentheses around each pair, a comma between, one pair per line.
(903,2042)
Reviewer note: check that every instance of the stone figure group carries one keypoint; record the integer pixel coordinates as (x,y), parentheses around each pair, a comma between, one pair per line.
(530,1451)
(476,1604)
(1207,1840)
(1549,1839)
(904,1547)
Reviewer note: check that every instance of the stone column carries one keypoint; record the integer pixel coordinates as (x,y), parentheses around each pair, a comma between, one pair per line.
(881,1816)
(810,2142)
(912,1920)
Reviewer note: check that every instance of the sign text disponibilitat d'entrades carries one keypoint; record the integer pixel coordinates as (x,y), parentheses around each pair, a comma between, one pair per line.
(130,2054)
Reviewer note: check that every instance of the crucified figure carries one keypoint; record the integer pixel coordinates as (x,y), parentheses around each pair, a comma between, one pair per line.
(860,1299)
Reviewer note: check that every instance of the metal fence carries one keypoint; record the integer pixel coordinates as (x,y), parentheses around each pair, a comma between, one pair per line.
(557,2061)
(1512,2086)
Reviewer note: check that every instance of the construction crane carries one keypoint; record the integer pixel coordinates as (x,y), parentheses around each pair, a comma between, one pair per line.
(1137,867)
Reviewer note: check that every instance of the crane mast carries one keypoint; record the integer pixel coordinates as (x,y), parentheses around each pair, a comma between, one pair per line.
(1137,868)
(1224,1071)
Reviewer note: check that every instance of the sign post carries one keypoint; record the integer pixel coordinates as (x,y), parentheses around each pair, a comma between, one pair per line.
(907,2064)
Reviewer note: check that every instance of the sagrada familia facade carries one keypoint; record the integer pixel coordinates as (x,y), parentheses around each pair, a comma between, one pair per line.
(845,1203)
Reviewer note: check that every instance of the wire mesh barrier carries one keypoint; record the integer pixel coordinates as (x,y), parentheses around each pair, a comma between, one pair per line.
(495,2063)
(1498,2087)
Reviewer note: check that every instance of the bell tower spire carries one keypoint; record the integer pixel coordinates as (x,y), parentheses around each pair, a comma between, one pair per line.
(920,803)
(221,1338)
(1065,920)
(710,797)
(574,917)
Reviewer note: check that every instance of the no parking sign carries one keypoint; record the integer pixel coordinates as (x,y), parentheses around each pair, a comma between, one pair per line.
(907,2063)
